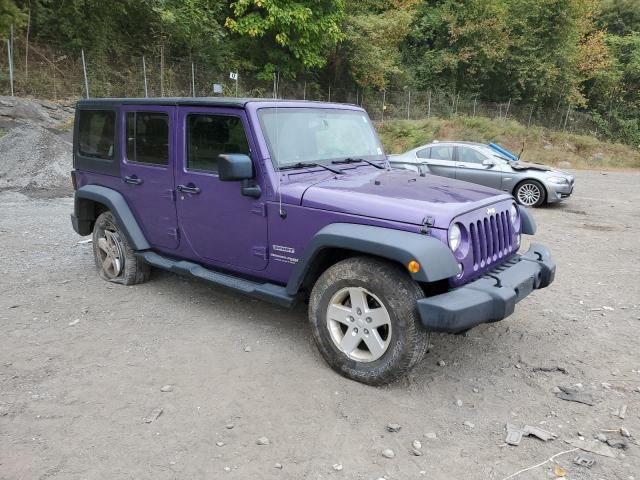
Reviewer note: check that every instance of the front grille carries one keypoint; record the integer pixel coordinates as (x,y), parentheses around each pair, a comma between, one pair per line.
(491,239)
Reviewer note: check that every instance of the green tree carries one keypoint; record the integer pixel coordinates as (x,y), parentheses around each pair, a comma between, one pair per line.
(375,31)
(10,15)
(457,44)
(289,36)
(620,17)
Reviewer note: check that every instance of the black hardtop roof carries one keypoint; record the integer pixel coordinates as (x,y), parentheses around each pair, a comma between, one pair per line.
(173,101)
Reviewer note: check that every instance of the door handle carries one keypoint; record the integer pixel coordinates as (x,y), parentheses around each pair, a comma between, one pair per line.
(191,188)
(133,180)
(461,166)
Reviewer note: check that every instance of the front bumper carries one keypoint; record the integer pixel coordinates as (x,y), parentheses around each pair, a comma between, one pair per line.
(557,192)
(490,298)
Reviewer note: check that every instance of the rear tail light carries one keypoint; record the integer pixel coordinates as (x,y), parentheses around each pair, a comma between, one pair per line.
(74,182)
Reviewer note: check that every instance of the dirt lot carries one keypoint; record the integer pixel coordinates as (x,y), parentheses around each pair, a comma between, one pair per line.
(82,363)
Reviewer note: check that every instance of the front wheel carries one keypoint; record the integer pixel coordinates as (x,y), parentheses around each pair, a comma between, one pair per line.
(365,322)
(530,193)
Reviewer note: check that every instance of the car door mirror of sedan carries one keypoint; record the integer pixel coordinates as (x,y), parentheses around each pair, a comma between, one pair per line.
(488,163)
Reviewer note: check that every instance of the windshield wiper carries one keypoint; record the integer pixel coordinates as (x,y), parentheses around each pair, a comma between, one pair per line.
(358,160)
(310,164)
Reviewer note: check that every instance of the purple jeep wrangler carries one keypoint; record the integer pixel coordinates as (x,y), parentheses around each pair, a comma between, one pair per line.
(290,200)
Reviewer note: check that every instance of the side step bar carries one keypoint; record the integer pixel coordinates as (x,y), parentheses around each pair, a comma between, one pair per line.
(264,291)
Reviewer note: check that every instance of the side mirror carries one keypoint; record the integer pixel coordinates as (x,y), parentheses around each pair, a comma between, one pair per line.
(234,166)
(488,163)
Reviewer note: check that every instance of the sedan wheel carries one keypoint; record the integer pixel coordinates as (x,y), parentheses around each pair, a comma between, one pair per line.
(530,194)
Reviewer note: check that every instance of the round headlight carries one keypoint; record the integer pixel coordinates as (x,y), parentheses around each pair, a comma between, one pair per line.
(514,214)
(454,237)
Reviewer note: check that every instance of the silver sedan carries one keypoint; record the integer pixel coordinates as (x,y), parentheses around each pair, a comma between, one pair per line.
(531,184)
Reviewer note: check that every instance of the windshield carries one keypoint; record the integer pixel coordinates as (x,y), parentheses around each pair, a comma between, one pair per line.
(317,135)
(490,152)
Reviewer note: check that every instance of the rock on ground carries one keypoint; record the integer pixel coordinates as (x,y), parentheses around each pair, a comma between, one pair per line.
(35,160)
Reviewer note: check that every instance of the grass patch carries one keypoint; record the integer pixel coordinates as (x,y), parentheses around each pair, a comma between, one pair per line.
(541,145)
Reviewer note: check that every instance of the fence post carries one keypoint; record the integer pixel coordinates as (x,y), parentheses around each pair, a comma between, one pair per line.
(429,105)
(507,112)
(304,90)
(193,81)
(10,66)
(530,115)
(144,72)
(566,118)
(162,70)
(384,101)
(475,100)
(274,85)
(409,107)
(26,51)
(86,80)
(329,93)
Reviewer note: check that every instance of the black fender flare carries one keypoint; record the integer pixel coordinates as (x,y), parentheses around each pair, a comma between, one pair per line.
(117,204)
(527,222)
(436,259)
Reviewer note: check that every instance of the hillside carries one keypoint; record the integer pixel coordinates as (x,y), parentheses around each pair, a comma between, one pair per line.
(540,144)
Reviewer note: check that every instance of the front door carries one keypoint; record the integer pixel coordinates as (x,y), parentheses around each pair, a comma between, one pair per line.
(220,225)
(470,168)
(147,171)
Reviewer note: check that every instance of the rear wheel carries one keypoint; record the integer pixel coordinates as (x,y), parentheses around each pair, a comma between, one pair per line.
(115,260)
(365,322)
(530,193)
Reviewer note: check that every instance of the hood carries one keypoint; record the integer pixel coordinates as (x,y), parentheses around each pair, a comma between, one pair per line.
(518,165)
(396,195)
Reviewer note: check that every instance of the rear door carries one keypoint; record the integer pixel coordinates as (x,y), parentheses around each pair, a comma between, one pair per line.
(220,225)
(440,160)
(470,168)
(147,171)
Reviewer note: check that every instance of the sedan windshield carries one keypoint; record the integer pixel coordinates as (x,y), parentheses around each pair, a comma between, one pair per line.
(298,136)
(490,152)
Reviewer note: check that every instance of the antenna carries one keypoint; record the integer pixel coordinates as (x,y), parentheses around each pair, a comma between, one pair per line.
(282,213)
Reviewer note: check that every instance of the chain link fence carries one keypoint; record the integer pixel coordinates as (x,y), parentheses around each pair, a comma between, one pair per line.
(38,72)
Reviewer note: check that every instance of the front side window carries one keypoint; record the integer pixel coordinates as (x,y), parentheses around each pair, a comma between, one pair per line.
(211,135)
(96,133)
(469,155)
(442,153)
(148,137)
(318,135)
(424,153)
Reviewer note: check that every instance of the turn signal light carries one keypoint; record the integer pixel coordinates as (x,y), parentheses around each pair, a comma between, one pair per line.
(413,266)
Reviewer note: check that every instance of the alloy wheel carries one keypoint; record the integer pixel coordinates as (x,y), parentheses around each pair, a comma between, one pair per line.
(110,253)
(529,194)
(359,324)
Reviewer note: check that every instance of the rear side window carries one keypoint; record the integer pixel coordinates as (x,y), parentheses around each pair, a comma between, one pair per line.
(148,137)
(442,153)
(211,135)
(96,133)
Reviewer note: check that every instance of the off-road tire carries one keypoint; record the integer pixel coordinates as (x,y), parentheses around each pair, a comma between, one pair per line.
(133,270)
(530,184)
(397,292)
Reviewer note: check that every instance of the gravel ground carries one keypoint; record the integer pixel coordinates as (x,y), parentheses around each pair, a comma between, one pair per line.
(83,363)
